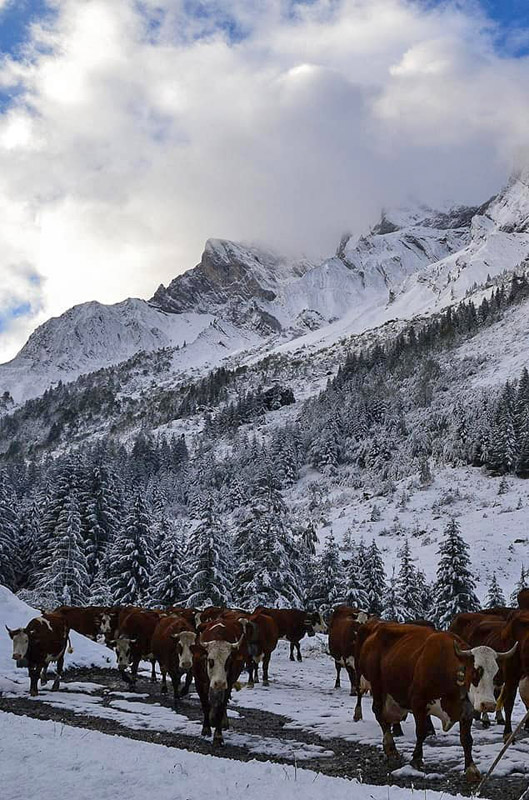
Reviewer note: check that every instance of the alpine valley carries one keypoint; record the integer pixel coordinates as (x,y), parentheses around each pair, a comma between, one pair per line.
(372,397)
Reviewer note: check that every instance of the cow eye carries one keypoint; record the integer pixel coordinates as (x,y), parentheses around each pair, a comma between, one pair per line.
(211,663)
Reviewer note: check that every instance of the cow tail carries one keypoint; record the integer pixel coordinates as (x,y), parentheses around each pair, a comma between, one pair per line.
(70,648)
(501,699)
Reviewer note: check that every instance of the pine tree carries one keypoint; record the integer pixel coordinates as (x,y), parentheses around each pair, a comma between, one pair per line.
(523,583)
(390,598)
(355,592)
(375,580)
(209,566)
(128,578)
(67,579)
(495,596)
(454,587)
(8,534)
(408,588)
(269,570)
(328,589)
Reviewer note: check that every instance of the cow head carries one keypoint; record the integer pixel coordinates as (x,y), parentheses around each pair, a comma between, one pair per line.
(484,663)
(20,640)
(184,641)
(218,654)
(314,623)
(123,648)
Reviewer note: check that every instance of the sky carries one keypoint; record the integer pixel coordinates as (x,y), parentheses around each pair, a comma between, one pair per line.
(133,130)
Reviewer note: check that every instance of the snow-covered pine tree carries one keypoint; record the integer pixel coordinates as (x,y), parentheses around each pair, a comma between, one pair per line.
(390,598)
(454,587)
(374,580)
(522,583)
(328,588)
(354,583)
(268,566)
(8,533)
(129,559)
(408,589)
(67,580)
(495,596)
(209,565)
(168,585)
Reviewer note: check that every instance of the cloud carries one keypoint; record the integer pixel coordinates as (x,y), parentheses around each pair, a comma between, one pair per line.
(136,131)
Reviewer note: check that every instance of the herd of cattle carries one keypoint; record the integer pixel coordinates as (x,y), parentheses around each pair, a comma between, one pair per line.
(475,667)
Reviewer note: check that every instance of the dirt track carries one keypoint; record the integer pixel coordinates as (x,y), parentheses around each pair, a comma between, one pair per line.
(351,760)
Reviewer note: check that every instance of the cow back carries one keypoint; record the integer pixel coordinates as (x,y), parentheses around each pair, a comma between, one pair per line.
(523,599)
(48,635)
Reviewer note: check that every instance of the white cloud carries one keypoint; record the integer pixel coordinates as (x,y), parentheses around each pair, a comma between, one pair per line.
(136,135)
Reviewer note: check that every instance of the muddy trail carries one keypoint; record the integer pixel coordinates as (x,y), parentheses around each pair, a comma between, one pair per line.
(348,759)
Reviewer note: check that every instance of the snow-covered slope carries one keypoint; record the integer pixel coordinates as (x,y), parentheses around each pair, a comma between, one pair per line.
(414,261)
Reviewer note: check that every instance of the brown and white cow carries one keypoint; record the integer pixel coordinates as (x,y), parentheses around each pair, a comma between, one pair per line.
(516,670)
(414,669)
(344,625)
(189,614)
(262,635)
(132,642)
(293,624)
(218,660)
(89,621)
(171,645)
(42,641)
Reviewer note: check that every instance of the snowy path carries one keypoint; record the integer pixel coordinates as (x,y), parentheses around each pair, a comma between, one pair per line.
(299,719)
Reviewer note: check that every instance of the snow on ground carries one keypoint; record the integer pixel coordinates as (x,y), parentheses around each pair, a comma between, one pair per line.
(16,614)
(45,759)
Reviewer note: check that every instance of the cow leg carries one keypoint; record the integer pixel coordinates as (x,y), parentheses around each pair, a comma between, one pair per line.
(352,679)
(509,696)
(421,728)
(34,674)
(523,688)
(134,672)
(57,681)
(153,670)
(359,694)
(218,716)
(202,687)
(125,677)
(44,675)
(338,668)
(465,735)
(187,684)
(387,737)
(298,648)
(163,684)
(396,729)
(175,680)
(266,662)
(292,651)
(430,730)
(250,665)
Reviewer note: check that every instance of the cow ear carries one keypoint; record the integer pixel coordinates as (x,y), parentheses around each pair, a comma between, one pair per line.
(10,632)
(175,636)
(133,641)
(112,642)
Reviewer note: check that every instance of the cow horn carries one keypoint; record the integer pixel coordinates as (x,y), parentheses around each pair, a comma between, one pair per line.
(175,636)
(236,645)
(10,632)
(463,654)
(500,657)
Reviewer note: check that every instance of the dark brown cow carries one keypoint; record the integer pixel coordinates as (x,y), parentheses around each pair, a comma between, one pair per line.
(463,624)
(414,669)
(262,635)
(171,645)
(42,641)
(218,660)
(133,641)
(523,599)
(88,621)
(343,629)
(516,671)
(189,614)
(294,624)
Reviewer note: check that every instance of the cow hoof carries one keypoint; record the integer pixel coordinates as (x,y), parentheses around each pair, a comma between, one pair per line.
(358,715)
(43,681)
(33,693)
(299,658)
(266,683)
(163,689)
(218,741)
(472,774)
(352,693)
(250,685)
(292,658)
(417,764)
(206,730)
(336,685)
(506,737)
(55,687)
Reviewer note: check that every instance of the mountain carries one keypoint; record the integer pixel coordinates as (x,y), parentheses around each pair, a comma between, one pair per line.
(246,299)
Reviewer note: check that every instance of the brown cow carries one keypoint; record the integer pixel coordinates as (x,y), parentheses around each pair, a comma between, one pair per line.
(171,645)
(133,641)
(414,669)
(189,614)
(294,624)
(343,629)
(489,633)
(523,599)
(218,660)
(262,635)
(88,621)
(42,641)
(516,671)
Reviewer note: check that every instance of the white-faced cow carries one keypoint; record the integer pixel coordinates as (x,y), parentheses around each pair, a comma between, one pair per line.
(42,641)
(218,660)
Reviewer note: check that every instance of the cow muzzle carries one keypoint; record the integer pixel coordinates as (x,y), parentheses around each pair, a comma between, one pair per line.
(17,656)
(487,705)
(219,686)
(185,666)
